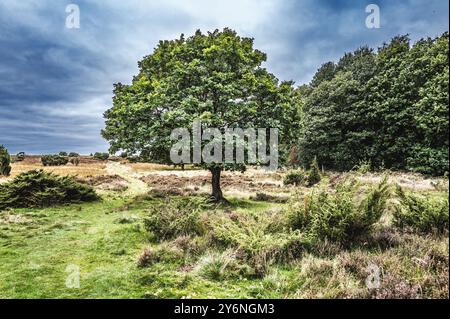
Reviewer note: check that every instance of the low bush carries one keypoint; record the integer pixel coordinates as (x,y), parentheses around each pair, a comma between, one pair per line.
(191,246)
(163,253)
(101,156)
(420,213)
(5,161)
(54,160)
(261,239)
(220,266)
(62,154)
(19,157)
(295,178)
(340,216)
(73,154)
(38,188)
(174,218)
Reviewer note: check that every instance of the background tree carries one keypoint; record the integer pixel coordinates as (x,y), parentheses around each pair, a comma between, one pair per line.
(389,108)
(326,72)
(216,78)
(5,161)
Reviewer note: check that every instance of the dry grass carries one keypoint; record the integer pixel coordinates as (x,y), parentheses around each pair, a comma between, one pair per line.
(87,168)
(148,167)
(411,181)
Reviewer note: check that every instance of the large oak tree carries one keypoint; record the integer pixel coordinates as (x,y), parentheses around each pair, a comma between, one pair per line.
(217,78)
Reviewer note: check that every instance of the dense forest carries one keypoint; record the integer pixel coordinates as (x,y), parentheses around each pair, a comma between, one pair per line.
(387,108)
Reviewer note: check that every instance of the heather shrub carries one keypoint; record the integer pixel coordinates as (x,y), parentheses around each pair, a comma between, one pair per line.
(295,177)
(163,253)
(54,160)
(5,161)
(175,217)
(191,246)
(340,216)
(420,213)
(38,188)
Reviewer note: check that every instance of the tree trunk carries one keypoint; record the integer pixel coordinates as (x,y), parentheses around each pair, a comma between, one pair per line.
(216,195)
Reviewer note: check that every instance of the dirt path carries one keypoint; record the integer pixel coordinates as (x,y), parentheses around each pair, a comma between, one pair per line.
(135,185)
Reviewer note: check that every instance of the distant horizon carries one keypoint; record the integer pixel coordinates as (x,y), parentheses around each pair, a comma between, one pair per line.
(56,82)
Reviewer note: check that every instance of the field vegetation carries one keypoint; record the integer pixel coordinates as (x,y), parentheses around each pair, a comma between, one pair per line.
(158,236)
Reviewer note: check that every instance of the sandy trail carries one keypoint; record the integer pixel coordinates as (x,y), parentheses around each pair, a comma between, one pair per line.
(135,185)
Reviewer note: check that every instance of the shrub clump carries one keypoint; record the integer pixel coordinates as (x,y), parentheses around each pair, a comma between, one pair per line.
(54,160)
(19,157)
(420,213)
(101,156)
(175,218)
(340,216)
(150,256)
(5,161)
(295,177)
(260,239)
(220,266)
(38,188)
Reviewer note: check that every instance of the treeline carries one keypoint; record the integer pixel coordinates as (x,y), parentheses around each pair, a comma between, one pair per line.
(388,108)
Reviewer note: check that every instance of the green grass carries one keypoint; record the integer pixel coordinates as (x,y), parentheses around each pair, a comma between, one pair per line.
(104,239)
(34,255)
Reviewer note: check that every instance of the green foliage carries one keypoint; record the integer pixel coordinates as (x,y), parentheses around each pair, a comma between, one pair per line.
(421,213)
(217,78)
(5,161)
(363,167)
(314,173)
(261,238)
(73,154)
(389,108)
(325,73)
(296,178)
(426,160)
(175,218)
(38,188)
(101,156)
(54,160)
(62,154)
(340,216)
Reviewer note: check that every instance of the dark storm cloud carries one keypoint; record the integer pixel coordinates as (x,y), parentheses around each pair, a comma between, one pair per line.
(55,82)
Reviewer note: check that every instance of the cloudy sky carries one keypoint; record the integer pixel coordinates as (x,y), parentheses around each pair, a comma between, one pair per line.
(56,82)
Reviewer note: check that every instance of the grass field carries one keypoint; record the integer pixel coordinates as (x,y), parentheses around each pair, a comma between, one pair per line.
(117,257)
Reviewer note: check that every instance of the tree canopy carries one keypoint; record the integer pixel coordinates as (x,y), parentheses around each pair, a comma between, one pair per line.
(388,108)
(217,78)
